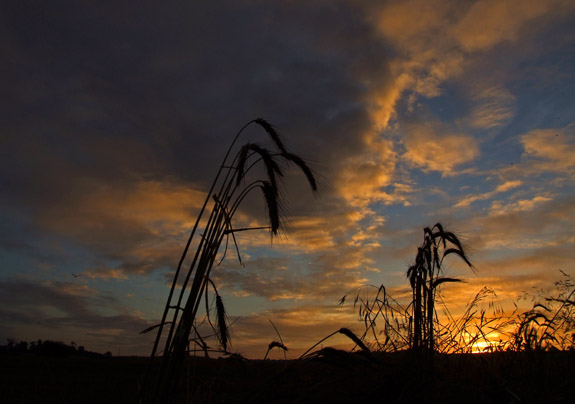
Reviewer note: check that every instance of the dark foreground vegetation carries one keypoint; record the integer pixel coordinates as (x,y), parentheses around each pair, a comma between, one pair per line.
(327,376)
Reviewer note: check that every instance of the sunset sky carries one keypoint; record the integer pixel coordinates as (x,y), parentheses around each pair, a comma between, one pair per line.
(115,118)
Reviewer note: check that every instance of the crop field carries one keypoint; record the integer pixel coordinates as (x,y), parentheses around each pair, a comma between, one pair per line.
(328,376)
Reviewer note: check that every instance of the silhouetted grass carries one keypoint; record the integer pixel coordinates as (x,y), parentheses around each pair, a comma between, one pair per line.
(391,326)
(233,183)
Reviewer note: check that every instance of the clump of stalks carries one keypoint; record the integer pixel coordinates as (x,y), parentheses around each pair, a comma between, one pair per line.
(425,276)
(550,324)
(477,329)
(483,326)
(416,325)
(229,189)
(377,309)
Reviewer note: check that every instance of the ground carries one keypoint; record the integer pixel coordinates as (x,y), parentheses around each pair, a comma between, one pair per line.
(333,376)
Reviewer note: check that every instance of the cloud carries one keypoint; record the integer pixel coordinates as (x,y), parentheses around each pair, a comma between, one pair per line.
(495,107)
(141,224)
(326,276)
(433,44)
(521,205)
(501,188)
(488,23)
(424,55)
(105,273)
(320,259)
(363,180)
(549,150)
(515,245)
(432,148)
(508,226)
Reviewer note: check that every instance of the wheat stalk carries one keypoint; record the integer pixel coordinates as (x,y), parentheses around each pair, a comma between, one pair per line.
(231,191)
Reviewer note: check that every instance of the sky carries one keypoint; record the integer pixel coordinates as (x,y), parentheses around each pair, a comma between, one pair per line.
(116,117)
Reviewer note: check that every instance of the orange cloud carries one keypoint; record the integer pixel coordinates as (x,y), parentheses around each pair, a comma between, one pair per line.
(141,223)
(506,186)
(521,205)
(105,273)
(437,41)
(416,30)
(407,20)
(159,206)
(487,23)
(550,150)
(431,149)
(362,180)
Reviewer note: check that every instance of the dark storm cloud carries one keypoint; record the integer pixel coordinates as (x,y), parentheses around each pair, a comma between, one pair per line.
(103,95)
(178,76)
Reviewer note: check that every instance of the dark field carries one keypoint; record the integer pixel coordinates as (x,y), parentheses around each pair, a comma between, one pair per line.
(334,377)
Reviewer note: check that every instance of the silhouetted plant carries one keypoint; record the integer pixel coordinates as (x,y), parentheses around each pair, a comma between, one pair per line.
(344,331)
(385,320)
(425,276)
(391,327)
(550,324)
(229,189)
(477,328)
(275,344)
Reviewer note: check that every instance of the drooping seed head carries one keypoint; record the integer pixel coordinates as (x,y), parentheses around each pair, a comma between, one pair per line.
(272,132)
(297,160)
(272,204)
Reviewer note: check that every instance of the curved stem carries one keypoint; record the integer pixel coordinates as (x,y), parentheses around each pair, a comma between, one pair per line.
(317,343)
(186,248)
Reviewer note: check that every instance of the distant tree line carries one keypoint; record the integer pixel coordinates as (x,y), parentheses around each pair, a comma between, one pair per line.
(48,348)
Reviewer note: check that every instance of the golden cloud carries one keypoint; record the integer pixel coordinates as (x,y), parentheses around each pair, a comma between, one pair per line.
(430,149)
(550,150)
(105,273)
(506,186)
(141,223)
(362,180)
(435,41)
(157,206)
(488,23)
(408,21)
(521,205)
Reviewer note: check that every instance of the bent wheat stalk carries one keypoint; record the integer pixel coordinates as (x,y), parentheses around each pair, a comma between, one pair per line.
(228,190)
